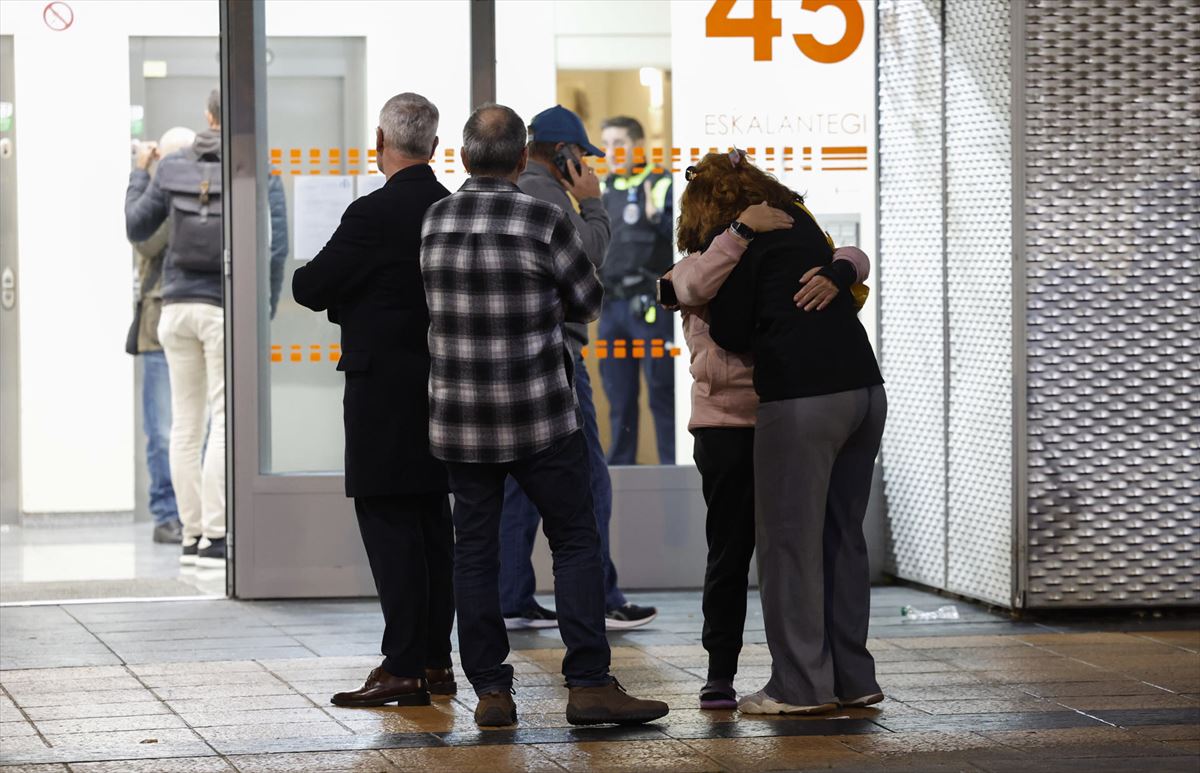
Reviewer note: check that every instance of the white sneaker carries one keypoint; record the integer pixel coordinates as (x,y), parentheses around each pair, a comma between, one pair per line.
(761,703)
(866,700)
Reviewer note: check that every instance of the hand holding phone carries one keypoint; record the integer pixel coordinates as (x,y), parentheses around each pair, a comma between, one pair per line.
(578,178)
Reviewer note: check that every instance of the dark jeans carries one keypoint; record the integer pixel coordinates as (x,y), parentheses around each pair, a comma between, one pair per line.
(622,381)
(410,544)
(725,458)
(519,521)
(156,423)
(556,479)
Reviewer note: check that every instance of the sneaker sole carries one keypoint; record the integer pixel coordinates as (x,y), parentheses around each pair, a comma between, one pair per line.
(608,719)
(624,625)
(862,703)
(718,704)
(524,623)
(496,718)
(774,707)
(211,563)
(187,560)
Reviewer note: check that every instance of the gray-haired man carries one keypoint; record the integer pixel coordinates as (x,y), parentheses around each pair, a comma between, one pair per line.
(503,271)
(368,279)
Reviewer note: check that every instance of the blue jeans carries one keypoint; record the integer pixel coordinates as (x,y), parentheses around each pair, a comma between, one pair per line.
(156,421)
(519,519)
(556,479)
(621,379)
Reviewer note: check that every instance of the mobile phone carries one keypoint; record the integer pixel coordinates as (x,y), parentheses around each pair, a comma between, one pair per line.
(664,290)
(562,157)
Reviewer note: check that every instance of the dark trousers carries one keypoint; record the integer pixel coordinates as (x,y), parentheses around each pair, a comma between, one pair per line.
(410,543)
(519,523)
(556,479)
(622,381)
(725,458)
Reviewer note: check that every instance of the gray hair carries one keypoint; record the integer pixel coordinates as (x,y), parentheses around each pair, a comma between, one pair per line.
(493,139)
(214,105)
(409,123)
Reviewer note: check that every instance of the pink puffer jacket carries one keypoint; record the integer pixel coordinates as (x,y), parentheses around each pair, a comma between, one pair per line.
(723,382)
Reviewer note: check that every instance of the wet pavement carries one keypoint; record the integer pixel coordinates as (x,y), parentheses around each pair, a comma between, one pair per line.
(228,685)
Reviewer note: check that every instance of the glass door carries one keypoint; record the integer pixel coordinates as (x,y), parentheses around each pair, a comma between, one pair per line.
(305,92)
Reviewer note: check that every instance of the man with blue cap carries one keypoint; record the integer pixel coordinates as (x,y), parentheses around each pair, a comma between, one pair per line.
(557,175)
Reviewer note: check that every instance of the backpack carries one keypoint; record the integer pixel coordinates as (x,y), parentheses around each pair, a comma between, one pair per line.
(197,233)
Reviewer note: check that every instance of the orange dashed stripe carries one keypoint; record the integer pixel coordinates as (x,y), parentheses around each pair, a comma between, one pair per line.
(353,161)
(620,349)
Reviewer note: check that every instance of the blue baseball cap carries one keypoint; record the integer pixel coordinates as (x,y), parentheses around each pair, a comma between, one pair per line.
(558,124)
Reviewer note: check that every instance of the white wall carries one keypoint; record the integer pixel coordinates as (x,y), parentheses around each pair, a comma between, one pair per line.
(73,140)
(525,62)
(716,79)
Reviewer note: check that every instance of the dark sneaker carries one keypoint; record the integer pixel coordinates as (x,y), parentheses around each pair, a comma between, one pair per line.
(536,616)
(190,549)
(169,533)
(610,705)
(629,616)
(496,709)
(212,554)
(718,694)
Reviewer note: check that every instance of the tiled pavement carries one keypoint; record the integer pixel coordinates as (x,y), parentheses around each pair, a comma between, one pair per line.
(225,685)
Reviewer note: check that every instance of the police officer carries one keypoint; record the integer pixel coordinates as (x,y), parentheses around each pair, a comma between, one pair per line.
(637,197)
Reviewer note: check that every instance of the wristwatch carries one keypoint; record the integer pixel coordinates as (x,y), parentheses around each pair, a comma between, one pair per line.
(742,230)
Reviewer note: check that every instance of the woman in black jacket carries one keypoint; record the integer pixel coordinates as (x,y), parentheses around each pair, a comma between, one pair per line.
(820,421)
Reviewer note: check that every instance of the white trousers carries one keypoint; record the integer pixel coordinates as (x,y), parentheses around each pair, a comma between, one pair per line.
(193,338)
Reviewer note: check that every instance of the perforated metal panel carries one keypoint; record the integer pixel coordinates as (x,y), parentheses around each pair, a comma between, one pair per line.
(1111,243)
(910,284)
(978,94)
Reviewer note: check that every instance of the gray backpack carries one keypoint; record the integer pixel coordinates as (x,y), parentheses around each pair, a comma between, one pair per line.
(197,234)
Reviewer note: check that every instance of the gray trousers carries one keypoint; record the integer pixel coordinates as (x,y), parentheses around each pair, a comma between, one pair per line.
(813,460)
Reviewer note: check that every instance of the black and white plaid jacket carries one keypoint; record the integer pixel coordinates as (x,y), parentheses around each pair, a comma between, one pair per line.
(502,272)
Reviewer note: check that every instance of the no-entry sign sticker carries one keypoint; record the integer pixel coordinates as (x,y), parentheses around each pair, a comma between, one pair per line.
(58,16)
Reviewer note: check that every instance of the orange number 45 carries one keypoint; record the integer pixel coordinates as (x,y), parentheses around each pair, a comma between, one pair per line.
(763,28)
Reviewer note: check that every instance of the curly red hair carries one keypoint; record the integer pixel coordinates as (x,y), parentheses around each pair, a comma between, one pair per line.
(718,191)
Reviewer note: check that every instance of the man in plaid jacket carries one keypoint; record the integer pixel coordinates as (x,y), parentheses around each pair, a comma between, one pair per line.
(502,272)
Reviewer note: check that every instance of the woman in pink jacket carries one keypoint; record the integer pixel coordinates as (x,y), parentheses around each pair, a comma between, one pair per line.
(724,405)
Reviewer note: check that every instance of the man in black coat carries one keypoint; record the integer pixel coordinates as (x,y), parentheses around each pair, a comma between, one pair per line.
(368,279)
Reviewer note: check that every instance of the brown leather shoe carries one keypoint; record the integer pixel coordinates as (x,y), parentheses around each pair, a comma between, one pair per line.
(441,681)
(381,688)
(610,705)
(496,709)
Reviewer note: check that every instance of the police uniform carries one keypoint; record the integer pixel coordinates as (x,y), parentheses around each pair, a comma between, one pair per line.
(640,252)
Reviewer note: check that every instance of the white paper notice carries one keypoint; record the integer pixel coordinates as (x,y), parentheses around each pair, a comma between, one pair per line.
(368,183)
(320,202)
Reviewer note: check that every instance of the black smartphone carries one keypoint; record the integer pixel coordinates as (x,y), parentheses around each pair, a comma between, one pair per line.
(665,292)
(562,157)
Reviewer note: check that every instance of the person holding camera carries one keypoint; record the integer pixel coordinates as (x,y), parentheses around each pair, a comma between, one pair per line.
(637,196)
(556,175)
(187,190)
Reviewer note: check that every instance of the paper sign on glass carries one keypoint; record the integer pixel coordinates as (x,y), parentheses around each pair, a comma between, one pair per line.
(320,202)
